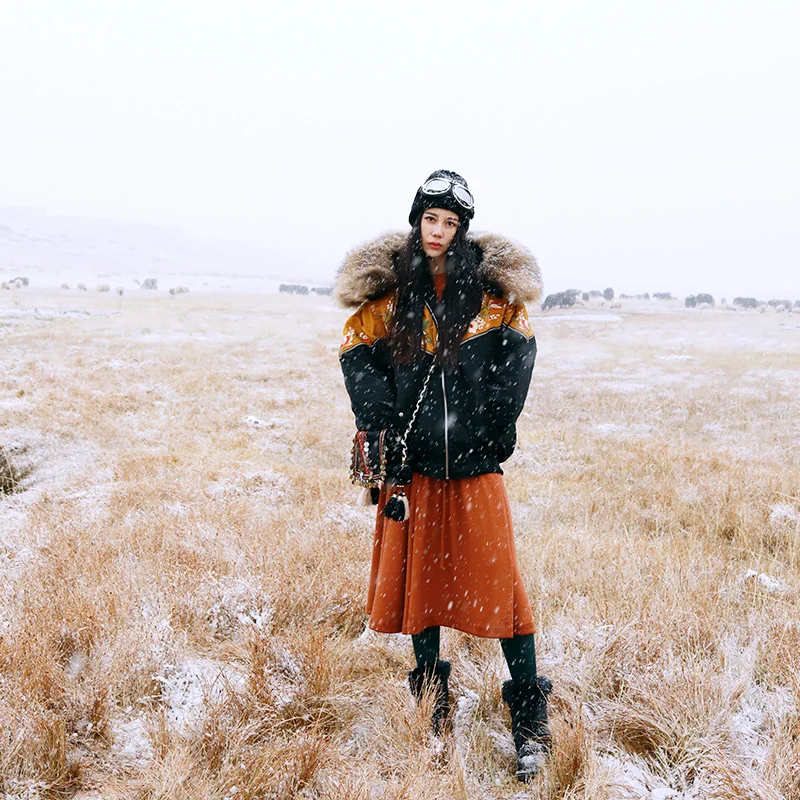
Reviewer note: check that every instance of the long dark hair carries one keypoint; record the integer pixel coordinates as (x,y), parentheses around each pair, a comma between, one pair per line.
(461,301)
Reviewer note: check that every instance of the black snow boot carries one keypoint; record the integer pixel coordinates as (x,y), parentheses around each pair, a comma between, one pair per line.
(527,702)
(433,679)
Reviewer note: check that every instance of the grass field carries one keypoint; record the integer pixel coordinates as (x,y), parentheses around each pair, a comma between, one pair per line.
(183,569)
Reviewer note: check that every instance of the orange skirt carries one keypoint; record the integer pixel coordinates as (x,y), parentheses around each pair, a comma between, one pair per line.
(453,563)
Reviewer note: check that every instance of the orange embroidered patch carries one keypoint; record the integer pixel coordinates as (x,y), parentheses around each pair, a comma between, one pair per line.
(430,335)
(369,323)
(520,322)
(490,316)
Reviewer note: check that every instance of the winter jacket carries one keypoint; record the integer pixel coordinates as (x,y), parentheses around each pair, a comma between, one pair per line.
(466,423)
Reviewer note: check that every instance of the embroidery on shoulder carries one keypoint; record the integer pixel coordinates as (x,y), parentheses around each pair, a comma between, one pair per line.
(477,325)
(349,339)
(490,316)
(368,324)
(519,322)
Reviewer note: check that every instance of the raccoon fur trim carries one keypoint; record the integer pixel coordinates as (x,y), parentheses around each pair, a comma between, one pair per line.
(506,268)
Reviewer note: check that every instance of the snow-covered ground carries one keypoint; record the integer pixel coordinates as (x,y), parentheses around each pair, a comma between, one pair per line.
(184,563)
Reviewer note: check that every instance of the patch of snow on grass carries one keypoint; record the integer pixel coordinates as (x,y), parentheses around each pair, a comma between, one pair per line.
(131,740)
(252,483)
(465,712)
(12,403)
(343,514)
(785,375)
(783,512)
(601,317)
(187,687)
(54,313)
(95,499)
(748,391)
(238,605)
(12,518)
(564,643)
(395,641)
(30,791)
(614,429)
(633,777)
(759,709)
(623,387)
(255,422)
(770,584)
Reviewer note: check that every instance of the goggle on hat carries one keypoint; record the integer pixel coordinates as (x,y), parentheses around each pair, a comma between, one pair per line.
(444,189)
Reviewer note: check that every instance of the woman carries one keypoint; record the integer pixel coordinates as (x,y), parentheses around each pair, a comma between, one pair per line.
(437,361)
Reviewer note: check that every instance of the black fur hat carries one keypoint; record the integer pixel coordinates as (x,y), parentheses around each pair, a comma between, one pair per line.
(446,200)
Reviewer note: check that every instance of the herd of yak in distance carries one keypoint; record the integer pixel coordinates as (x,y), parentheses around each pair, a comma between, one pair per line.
(565,299)
(573,297)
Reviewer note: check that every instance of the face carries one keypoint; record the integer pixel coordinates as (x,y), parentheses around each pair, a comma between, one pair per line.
(438,227)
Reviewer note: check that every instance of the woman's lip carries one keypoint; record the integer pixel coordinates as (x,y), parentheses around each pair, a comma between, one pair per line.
(433,244)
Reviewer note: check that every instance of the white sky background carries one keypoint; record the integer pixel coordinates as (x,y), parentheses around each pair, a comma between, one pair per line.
(646,145)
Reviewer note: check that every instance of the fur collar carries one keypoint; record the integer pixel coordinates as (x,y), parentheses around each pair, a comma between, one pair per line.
(506,267)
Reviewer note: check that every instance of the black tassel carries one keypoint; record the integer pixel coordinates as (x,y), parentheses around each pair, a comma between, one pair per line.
(397,508)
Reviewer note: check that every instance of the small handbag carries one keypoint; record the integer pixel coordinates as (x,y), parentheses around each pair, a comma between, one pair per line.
(368,464)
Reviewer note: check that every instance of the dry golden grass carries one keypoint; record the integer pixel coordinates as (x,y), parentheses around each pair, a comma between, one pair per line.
(183,571)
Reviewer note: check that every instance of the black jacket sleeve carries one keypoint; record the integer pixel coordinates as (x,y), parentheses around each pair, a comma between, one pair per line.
(368,375)
(511,376)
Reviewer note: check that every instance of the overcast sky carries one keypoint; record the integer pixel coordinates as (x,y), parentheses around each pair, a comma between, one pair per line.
(651,146)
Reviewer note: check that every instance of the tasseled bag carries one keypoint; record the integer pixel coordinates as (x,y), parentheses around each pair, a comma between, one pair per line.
(368,466)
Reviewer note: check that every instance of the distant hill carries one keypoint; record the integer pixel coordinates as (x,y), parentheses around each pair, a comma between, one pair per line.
(50,248)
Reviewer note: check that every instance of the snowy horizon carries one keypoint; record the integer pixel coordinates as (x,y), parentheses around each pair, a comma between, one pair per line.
(58,248)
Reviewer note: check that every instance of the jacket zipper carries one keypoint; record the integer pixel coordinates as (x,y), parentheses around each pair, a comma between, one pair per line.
(446,433)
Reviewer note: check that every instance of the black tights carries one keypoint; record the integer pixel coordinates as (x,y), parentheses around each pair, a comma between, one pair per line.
(520,652)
